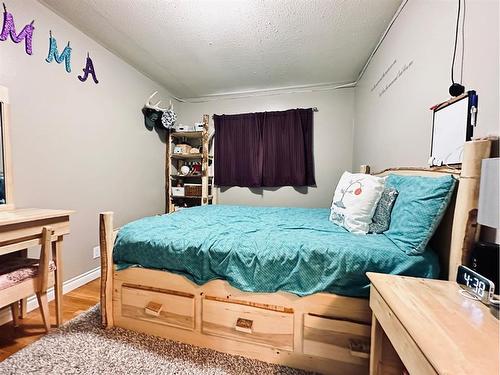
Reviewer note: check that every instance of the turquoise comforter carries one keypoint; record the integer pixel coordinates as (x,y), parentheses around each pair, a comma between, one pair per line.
(265,249)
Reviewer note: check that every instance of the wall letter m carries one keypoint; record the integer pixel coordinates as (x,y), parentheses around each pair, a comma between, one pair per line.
(9,29)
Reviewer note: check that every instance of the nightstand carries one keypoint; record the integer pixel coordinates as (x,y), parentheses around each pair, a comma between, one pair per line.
(429,327)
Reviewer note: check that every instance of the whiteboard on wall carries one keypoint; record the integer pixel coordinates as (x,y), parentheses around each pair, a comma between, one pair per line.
(450,131)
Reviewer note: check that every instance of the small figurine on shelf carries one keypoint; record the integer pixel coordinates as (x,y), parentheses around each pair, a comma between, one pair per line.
(196,169)
(199,126)
(182,148)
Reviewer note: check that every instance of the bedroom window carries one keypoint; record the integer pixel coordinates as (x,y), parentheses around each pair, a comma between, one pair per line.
(264,149)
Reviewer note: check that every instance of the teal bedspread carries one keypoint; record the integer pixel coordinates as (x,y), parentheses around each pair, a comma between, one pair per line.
(265,249)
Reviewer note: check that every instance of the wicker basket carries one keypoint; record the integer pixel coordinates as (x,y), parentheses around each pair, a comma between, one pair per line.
(192,190)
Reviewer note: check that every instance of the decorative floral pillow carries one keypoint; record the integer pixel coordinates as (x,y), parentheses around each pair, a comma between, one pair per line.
(382,216)
(355,200)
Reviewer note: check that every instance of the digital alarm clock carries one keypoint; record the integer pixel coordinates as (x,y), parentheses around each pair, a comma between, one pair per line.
(477,285)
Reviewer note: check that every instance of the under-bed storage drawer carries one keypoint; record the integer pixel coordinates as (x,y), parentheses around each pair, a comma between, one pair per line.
(240,321)
(337,339)
(162,306)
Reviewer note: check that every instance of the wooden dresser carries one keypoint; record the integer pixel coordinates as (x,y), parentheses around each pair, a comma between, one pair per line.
(429,327)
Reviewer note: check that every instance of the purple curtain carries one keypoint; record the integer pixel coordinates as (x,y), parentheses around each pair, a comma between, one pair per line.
(238,150)
(265,149)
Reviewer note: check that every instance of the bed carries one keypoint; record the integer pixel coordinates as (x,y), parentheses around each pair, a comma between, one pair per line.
(265,249)
(220,289)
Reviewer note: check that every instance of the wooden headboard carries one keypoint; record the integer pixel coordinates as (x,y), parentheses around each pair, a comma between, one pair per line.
(457,232)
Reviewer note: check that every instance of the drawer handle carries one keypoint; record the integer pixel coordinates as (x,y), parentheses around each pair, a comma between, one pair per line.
(359,348)
(153,308)
(244,325)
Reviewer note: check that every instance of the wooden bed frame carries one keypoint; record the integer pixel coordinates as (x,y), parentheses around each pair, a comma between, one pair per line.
(321,332)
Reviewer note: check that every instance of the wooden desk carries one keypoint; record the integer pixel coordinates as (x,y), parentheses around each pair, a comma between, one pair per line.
(22,228)
(431,328)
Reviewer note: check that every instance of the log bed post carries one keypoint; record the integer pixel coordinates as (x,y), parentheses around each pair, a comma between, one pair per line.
(466,202)
(106,244)
(365,169)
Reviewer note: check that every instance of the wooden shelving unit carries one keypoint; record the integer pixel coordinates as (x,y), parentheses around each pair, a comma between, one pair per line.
(186,156)
(173,165)
(187,134)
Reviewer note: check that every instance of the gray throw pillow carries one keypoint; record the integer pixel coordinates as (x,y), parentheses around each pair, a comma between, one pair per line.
(382,216)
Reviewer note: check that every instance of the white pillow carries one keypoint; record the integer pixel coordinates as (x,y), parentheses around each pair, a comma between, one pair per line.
(355,201)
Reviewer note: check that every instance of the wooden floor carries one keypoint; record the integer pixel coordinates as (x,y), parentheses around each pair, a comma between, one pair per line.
(31,328)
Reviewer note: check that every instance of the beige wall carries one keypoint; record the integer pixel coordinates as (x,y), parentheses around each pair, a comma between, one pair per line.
(332,143)
(395,128)
(79,145)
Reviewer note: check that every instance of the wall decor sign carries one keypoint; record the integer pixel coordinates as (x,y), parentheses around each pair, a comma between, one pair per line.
(89,69)
(383,75)
(54,53)
(395,76)
(9,29)
(398,75)
(26,35)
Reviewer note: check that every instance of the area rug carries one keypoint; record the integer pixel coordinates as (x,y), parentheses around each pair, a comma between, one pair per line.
(81,346)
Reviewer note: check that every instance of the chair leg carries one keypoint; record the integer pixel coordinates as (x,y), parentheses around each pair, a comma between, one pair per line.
(43,303)
(24,302)
(24,308)
(14,308)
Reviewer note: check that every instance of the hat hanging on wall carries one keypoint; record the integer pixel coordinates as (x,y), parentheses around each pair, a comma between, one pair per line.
(152,117)
(169,117)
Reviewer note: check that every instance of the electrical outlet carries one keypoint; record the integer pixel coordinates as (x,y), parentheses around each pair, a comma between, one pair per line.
(97,252)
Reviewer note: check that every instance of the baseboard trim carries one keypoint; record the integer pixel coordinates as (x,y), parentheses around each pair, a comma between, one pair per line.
(68,286)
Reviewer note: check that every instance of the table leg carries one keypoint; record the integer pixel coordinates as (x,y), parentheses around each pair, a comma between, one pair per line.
(383,357)
(377,337)
(58,291)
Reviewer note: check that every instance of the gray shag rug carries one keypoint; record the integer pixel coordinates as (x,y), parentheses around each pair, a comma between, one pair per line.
(81,346)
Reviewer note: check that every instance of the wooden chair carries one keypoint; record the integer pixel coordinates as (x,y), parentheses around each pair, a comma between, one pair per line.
(27,281)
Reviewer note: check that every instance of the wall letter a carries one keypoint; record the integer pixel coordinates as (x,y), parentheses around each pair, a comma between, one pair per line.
(10,29)
(54,53)
(89,69)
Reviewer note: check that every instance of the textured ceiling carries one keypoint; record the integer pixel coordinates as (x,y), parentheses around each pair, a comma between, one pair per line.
(198,48)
